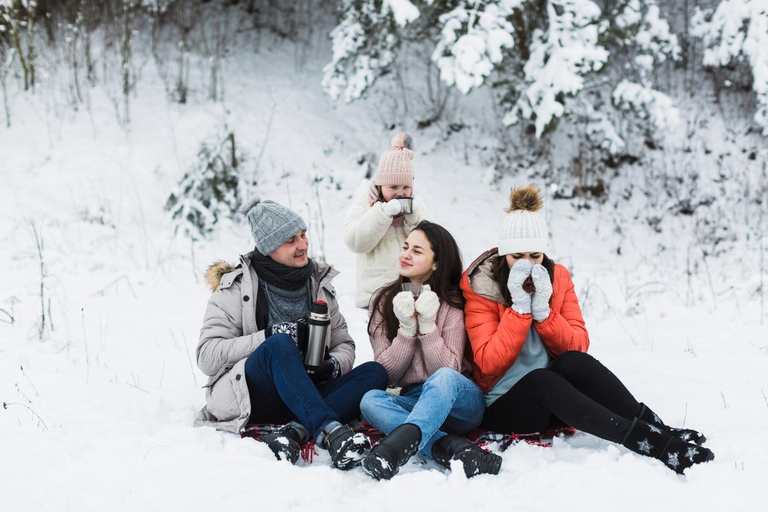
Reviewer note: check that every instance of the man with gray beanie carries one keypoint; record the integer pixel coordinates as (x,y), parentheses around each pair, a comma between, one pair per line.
(253,338)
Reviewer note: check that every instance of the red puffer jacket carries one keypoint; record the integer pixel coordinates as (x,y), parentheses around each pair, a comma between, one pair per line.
(497,332)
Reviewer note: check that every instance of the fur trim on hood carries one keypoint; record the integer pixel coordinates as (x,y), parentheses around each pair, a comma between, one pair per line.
(216,271)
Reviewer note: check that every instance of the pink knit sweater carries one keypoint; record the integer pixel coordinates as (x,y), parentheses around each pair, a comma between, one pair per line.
(411,359)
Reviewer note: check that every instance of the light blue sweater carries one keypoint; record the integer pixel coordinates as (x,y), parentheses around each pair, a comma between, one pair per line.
(532,356)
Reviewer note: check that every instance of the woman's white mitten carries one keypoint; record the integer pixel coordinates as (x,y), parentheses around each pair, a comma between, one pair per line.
(404,308)
(521,300)
(542,293)
(427,305)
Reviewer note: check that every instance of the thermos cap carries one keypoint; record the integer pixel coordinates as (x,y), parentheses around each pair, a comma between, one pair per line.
(319,307)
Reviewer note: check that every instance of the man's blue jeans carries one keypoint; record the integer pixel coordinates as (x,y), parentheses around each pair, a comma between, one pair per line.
(447,403)
(281,391)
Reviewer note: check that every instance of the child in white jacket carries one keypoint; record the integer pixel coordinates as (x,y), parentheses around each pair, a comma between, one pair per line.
(375,227)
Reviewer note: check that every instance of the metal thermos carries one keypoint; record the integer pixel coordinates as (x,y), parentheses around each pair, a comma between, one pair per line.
(318,322)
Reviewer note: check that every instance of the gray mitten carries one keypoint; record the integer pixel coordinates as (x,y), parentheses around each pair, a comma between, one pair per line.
(542,294)
(521,300)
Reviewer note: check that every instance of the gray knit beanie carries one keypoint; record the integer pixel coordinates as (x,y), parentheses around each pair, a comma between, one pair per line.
(271,224)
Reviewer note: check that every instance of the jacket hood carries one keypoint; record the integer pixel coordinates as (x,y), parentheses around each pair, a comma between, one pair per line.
(216,271)
(480,277)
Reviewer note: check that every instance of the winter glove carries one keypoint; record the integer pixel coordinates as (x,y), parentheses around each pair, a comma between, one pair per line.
(326,372)
(404,308)
(298,331)
(521,300)
(392,208)
(426,306)
(542,294)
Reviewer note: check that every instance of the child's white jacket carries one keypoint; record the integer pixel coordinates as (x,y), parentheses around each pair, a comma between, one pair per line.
(369,233)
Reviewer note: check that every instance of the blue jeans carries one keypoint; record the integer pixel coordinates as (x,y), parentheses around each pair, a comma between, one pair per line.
(447,403)
(281,391)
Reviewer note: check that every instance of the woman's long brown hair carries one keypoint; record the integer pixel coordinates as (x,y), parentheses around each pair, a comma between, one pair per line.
(444,281)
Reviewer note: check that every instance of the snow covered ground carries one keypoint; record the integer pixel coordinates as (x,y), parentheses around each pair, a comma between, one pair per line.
(98,413)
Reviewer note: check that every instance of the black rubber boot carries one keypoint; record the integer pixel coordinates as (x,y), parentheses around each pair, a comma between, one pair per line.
(684,434)
(648,439)
(475,460)
(285,443)
(346,447)
(385,459)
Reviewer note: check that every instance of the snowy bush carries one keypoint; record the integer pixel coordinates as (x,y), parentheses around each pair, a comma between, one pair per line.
(209,191)
(737,31)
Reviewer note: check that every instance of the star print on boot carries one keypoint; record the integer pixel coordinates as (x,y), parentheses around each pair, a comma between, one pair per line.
(684,434)
(652,441)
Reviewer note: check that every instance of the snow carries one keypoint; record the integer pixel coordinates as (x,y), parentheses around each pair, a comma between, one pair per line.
(99,411)
(655,105)
(403,11)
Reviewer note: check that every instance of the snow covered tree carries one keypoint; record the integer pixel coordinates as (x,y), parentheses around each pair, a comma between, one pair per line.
(365,44)
(737,31)
(209,191)
(19,17)
(641,41)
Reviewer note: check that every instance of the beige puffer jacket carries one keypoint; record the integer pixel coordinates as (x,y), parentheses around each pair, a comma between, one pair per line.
(229,335)
(369,233)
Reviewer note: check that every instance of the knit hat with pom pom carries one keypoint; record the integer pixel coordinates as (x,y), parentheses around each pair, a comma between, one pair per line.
(524,228)
(395,166)
(271,224)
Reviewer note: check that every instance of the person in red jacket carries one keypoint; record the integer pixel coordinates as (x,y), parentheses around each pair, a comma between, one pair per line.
(529,349)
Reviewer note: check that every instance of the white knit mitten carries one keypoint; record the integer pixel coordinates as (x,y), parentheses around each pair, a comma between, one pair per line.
(392,207)
(427,305)
(542,293)
(521,300)
(404,308)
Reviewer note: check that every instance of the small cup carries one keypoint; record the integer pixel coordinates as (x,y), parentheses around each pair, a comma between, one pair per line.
(414,288)
(406,204)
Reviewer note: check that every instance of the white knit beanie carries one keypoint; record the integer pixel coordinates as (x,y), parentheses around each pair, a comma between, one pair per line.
(524,228)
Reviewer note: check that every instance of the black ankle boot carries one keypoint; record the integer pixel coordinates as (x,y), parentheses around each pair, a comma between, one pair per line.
(475,460)
(684,434)
(385,459)
(346,446)
(648,439)
(285,442)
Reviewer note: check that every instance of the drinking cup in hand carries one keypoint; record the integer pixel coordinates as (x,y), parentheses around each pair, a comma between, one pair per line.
(406,204)
(414,288)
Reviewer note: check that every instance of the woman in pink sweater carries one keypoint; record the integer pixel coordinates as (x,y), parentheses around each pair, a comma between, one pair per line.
(421,343)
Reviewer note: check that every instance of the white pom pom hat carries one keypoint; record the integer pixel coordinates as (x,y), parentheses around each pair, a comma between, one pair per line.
(524,228)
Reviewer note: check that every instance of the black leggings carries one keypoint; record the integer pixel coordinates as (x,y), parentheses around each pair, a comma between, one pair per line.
(576,391)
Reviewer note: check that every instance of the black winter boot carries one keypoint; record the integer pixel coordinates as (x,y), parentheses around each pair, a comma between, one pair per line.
(285,442)
(647,439)
(475,460)
(684,434)
(346,447)
(385,459)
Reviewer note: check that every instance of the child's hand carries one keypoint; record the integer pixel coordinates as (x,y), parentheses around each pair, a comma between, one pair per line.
(392,207)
